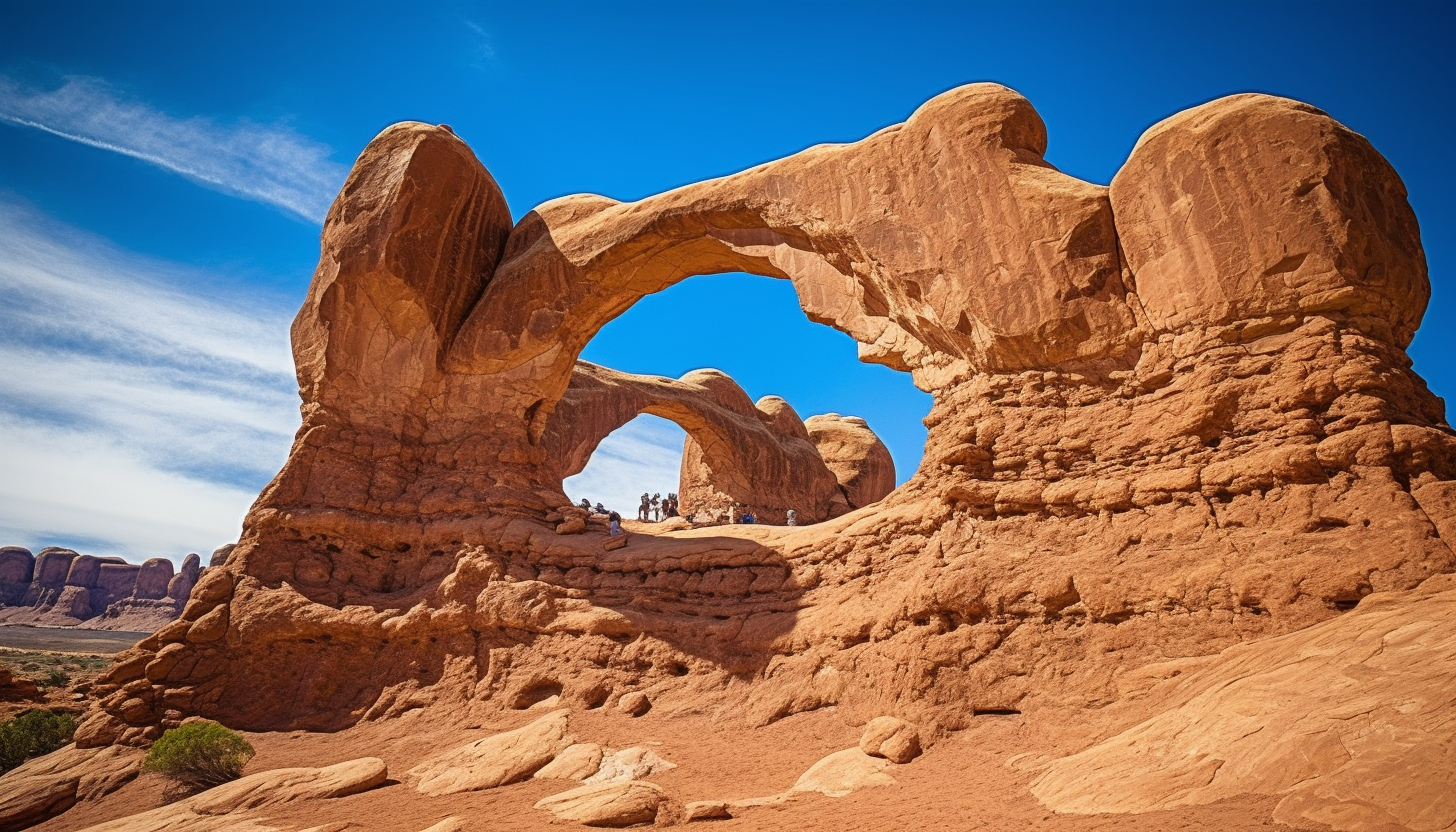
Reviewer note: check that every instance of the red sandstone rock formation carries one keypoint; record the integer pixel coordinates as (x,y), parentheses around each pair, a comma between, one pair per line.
(736,451)
(1170,417)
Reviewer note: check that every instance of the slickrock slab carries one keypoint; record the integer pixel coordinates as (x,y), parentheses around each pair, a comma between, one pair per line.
(46,786)
(577,762)
(607,804)
(287,785)
(232,804)
(495,760)
(1350,719)
(36,799)
(630,764)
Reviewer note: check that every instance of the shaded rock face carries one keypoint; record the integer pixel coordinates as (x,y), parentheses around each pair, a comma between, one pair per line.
(736,452)
(855,455)
(17,567)
(52,565)
(1154,433)
(60,587)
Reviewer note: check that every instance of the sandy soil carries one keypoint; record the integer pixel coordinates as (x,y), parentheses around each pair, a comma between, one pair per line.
(67,640)
(963,782)
(59,661)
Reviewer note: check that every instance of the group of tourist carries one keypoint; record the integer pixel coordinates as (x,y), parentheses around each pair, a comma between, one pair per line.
(657,507)
(742,514)
(614,520)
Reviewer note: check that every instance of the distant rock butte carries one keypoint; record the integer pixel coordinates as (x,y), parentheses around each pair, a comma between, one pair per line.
(1170,417)
(62,588)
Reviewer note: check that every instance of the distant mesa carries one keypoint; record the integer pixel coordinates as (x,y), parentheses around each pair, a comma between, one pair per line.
(59,587)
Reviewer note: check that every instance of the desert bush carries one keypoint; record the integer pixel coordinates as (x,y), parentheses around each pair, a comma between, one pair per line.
(32,734)
(55,679)
(198,756)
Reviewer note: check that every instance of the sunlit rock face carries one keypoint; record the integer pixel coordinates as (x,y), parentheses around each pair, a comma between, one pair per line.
(1170,416)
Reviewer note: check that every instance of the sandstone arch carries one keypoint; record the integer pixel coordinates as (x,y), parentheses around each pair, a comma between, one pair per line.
(737,451)
(1156,433)
(887,253)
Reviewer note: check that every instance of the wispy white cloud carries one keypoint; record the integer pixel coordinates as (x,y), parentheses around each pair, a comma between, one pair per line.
(483,41)
(97,493)
(137,417)
(643,455)
(266,163)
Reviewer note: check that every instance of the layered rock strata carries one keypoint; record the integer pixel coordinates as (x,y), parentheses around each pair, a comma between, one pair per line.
(1170,416)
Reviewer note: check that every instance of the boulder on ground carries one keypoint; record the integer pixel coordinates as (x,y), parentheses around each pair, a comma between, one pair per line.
(844,772)
(630,764)
(635,703)
(577,762)
(607,804)
(706,810)
(892,738)
(495,760)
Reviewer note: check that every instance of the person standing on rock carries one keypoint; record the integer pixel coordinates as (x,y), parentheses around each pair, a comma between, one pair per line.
(792,518)
(732,514)
(644,509)
(657,506)
(614,524)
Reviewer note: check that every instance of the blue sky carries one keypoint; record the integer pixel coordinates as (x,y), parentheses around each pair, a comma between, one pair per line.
(164,168)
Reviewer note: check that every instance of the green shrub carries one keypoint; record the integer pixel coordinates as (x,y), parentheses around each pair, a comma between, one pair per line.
(55,679)
(198,756)
(32,734)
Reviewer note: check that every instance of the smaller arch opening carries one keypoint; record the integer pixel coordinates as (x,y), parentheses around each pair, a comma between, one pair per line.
(643,455)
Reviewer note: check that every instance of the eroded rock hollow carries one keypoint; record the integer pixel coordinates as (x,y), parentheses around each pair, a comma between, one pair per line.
(1170,416)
